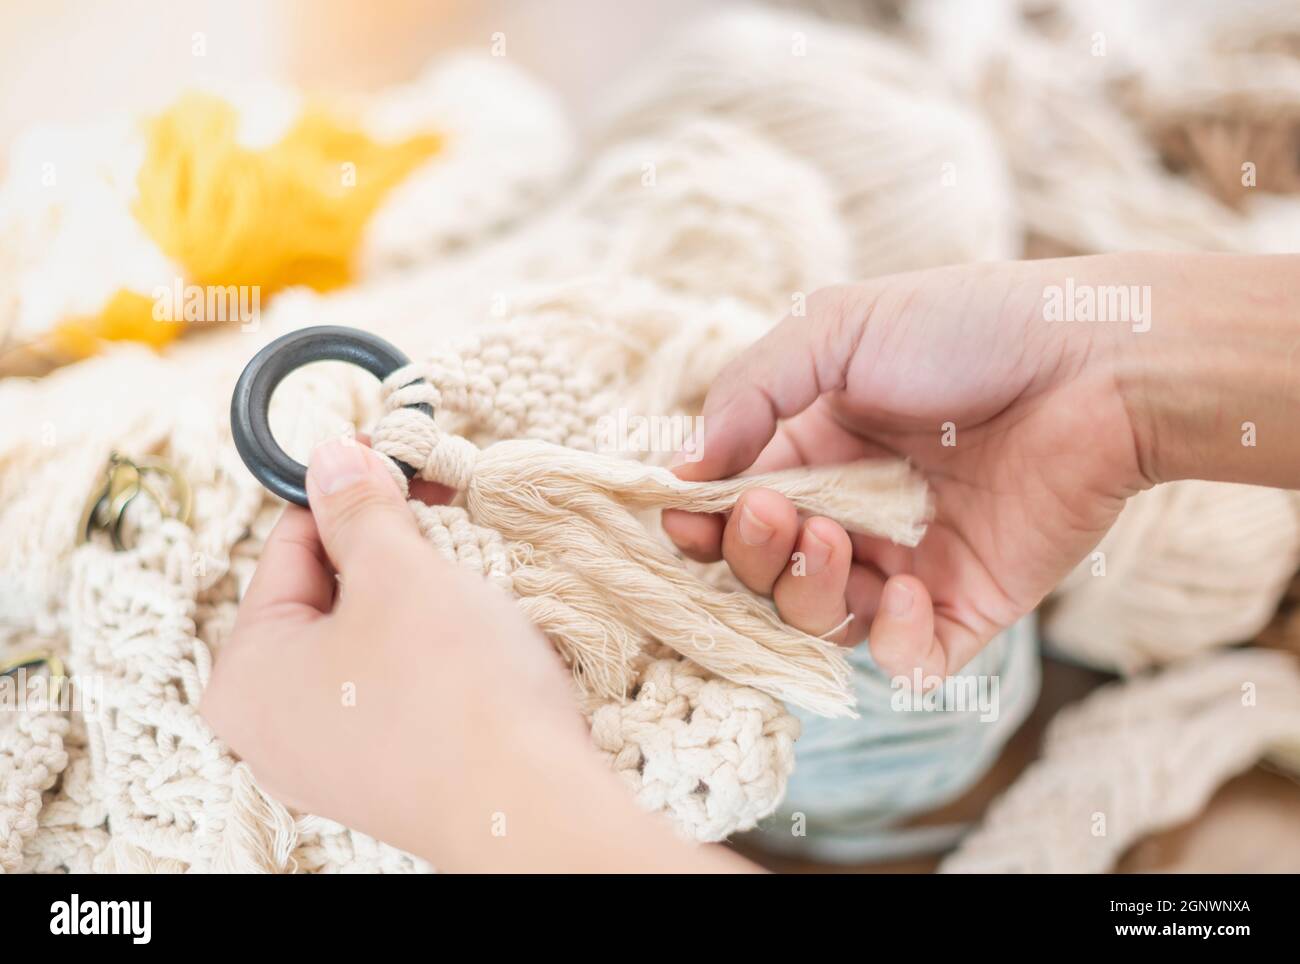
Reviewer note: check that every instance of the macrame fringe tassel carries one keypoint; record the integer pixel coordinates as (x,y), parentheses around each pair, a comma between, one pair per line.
(882,498)
(593,571)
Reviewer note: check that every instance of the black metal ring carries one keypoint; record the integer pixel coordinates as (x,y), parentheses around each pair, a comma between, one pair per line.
(250,405)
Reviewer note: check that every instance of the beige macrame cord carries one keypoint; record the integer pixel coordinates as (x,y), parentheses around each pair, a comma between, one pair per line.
(601,569)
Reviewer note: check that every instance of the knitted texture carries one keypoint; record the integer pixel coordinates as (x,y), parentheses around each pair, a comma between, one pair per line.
(31,759)
(712,755)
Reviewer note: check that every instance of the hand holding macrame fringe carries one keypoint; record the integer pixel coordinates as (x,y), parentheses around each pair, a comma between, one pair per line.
(591,576)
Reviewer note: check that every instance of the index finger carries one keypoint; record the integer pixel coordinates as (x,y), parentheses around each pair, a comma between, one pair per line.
(294,576)
(779,376)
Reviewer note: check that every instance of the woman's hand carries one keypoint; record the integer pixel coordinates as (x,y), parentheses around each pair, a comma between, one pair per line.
(1017,422)
(410,699)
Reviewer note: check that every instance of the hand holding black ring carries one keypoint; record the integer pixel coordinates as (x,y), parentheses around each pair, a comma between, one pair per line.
(250,405)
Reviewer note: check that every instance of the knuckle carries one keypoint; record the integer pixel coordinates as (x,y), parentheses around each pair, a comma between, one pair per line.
(832,304)
(786,594)
(366,506)
(352,506)
(386,565)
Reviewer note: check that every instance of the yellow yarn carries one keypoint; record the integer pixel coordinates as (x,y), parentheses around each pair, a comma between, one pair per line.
(292,214)
(128,316)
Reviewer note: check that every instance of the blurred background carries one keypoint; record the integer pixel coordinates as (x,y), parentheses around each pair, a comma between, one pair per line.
(67,61)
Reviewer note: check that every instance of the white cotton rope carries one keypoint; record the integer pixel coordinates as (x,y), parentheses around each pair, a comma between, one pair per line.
(917,176)
(1137,757)
(573,510)
(1152,593)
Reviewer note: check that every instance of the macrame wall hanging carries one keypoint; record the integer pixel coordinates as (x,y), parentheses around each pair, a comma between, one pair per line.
(555,526)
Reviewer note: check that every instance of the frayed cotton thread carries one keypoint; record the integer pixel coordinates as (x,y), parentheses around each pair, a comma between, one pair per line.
(573,510)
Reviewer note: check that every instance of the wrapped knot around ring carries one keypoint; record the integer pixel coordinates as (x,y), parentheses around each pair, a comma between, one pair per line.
(407,434)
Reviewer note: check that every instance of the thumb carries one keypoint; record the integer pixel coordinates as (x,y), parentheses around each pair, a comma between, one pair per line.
(358,507)
(779,376)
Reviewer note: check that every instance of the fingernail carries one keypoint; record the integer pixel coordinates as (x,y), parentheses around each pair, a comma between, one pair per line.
(338,464)
(753,530)
(815,553)
(898,600)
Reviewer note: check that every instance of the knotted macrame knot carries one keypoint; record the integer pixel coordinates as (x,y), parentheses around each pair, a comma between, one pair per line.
(407,434)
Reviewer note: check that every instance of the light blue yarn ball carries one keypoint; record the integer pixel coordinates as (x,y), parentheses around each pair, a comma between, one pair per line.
(855,781)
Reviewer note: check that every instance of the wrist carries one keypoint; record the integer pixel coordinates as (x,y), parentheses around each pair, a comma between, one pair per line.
(1208,386)
(537,799)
